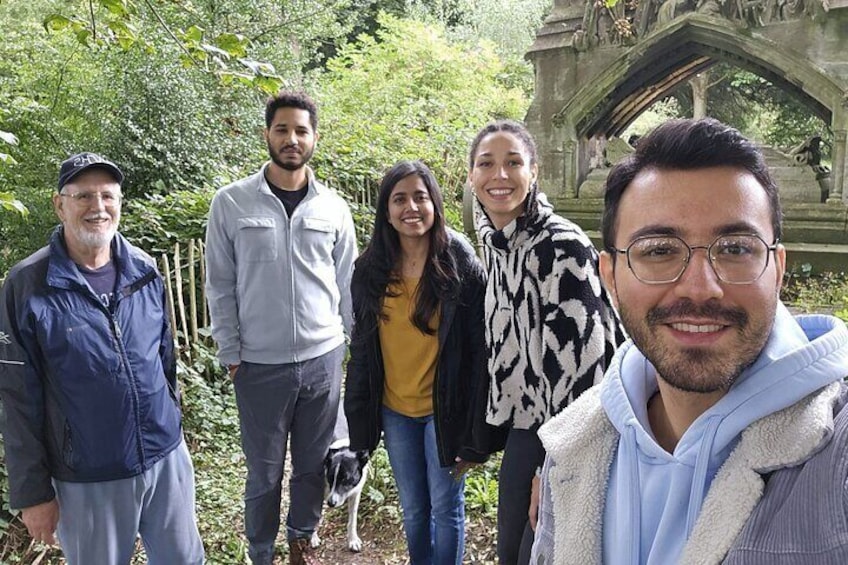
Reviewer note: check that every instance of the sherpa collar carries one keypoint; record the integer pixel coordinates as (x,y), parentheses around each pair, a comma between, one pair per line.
(582,442)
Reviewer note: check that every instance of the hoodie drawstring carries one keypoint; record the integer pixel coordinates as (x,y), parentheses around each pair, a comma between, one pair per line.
(699,477)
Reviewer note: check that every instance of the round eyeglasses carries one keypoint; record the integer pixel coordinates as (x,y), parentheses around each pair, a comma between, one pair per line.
(86,199)
(662,259)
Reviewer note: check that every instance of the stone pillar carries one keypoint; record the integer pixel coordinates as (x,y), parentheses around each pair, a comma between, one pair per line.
(838,195)
(569,168)
(840,153)
(570,159)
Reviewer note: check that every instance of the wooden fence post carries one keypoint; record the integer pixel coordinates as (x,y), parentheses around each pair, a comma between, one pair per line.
(204,303)
(169,296)
(178,283)
(192,292)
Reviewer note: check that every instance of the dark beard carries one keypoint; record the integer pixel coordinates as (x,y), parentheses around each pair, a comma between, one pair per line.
(697,370)
(289,166)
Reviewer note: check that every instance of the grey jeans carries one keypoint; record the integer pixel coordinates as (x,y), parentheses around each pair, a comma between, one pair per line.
(295,402)
(99,521)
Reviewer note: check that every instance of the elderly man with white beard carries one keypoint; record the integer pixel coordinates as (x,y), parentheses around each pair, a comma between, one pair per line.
(94,445)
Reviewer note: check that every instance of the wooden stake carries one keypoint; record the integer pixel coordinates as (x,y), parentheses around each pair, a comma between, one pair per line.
(192,292)
(169,296)
(205,304)
(178,283)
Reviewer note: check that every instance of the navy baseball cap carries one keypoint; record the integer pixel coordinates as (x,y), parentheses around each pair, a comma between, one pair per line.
(75,164)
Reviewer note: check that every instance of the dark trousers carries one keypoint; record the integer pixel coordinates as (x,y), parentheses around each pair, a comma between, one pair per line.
(523,454)
(297,403)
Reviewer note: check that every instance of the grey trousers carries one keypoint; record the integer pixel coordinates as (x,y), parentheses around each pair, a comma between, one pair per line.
(295,402)
(98,522)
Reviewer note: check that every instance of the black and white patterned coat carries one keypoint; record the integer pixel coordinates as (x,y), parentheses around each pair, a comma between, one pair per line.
(550,328)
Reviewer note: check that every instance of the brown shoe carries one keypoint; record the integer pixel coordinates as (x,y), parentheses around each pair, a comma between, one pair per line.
(301,552)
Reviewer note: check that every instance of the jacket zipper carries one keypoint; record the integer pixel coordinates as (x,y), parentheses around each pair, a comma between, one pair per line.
(116,331)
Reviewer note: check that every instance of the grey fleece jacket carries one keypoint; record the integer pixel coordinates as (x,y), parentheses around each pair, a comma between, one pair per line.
(278,287)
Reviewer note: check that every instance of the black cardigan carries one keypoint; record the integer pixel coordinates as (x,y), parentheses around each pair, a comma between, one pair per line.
(459,390)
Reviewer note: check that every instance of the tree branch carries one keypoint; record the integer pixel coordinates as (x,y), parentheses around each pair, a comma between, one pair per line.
(289,22)
(718,81)
(93,20)
(171,33)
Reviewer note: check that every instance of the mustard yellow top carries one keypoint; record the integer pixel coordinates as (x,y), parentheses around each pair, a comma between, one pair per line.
(409,355)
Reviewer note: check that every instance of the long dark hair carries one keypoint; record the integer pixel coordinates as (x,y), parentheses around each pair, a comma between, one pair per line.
(379,263)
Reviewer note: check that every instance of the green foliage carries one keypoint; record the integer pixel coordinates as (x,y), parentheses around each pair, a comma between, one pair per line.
(810,292)
(758,108)
(12,204)
(408,93)
(7,515)
(8,202)
(380,498)
(155,223)
(210,420)
(481,489)
(103,23)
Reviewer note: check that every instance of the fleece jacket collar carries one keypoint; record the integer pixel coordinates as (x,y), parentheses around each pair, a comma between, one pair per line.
(582,443)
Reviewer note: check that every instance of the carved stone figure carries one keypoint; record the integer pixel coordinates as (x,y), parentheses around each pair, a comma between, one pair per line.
(807,152)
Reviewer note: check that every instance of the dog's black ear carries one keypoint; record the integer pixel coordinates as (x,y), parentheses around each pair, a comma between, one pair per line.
(363,457)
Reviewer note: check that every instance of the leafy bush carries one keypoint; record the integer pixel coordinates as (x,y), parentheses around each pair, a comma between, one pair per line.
(158,221)
(409,93)
(824,293)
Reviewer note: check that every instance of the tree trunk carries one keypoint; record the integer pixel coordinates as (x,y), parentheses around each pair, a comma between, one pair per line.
(700,84)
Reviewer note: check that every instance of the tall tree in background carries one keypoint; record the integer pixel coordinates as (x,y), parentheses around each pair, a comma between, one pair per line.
(409,92)
(754,105)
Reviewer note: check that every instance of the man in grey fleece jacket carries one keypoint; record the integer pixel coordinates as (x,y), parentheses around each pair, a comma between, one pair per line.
(280,253)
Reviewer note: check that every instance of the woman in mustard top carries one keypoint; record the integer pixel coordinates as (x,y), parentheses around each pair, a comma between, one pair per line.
(416,370)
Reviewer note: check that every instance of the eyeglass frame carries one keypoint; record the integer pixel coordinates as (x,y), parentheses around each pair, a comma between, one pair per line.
(79,197)
(626,252)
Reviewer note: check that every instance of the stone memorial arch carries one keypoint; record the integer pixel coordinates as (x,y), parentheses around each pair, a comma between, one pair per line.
(598,68)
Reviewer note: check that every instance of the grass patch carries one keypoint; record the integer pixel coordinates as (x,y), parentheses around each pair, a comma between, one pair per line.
(825,293)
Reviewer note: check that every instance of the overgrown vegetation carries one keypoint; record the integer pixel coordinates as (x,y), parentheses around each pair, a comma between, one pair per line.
(823,293)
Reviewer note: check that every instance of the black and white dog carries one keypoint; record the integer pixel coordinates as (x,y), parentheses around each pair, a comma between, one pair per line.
(345,472)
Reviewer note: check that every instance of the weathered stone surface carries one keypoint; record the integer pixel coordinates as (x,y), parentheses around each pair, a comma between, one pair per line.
(598,69)
(601,89)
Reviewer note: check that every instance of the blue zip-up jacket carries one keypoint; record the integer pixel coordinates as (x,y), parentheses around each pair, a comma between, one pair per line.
(88,394)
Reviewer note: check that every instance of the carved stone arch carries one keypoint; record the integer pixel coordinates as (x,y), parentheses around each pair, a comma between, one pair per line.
(671,56)
(591,83)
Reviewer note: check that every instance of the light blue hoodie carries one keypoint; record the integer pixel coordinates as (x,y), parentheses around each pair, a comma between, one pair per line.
(654,497)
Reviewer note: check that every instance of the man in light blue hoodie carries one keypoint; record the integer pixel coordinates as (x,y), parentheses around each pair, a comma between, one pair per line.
(718,434)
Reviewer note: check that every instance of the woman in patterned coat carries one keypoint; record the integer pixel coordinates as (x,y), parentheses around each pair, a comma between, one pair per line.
(550,327)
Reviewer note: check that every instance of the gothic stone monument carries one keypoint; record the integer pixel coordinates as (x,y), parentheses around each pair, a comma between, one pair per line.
(598,68)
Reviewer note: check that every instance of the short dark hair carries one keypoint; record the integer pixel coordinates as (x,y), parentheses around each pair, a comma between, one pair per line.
(688,144)
(288,99)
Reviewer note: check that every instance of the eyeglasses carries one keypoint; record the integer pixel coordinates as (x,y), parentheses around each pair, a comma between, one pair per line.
(735,258)
(110,199)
